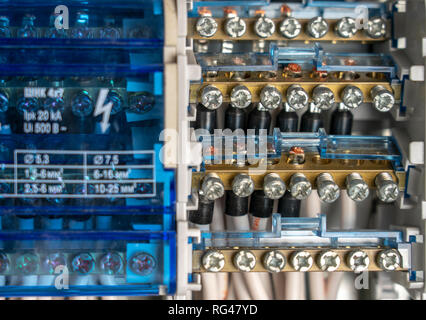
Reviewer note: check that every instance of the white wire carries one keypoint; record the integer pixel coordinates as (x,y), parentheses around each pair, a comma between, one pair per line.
(231,290)
(317,286)
(278,280)
(241,291)
(209,281)
(218,224)
(333,283)
(294,285)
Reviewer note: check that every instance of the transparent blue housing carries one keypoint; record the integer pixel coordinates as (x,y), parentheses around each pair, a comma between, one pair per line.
(84,197)
(76,22)
(234,146)
(75,263)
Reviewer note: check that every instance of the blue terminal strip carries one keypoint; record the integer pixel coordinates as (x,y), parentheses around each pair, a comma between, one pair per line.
(138,263)
(300,9)
(308,58)
(82,23)
(286,231)
(327,146)
(82,185)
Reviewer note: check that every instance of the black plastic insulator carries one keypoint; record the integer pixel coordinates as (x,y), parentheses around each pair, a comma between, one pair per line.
(260,205)
(235,118)
(259,119)
(341,122)
(204,214)
(289,206)
(206,119)
(287,121)
(311,122)
(235,206)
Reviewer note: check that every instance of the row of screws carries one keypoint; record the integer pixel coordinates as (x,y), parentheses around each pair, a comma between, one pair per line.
(274,187)
(81,28)
(82,104)
(110,263)
(275,261)
(290,28)
(297,98)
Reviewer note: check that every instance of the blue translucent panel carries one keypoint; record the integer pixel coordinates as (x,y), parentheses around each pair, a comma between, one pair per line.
(72,263)
(71,62)
(359,62)
(219,148)
(76,22)
(326,61)
(360,148)
(300,9)
(238,61)
(300,231)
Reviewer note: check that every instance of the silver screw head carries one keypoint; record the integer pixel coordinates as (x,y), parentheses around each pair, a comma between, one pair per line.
(323,97)
(240,97)
(290,28)
(302,261)
(274,261)
(317,27)
(328,190)
(235,27)
(352,97)
(386,189)
(264,27)
(273,186)
(358,260)
(300,187)
(389,260)
(297,98)
(328,261)
(242,185)
(356,187)
(270,97)
(211,97)
(212,187)
(376,28)
(244,260)
(346,27)
(206,26)
(383,99)
(213,260)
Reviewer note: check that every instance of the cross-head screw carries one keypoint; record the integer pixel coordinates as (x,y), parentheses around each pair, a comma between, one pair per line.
(206,26)
(387,189)
(240,97)
(328,261)
(356,187)
(270,97)
(317,27)
(273,186)
(358,260)
(264,27)
(211,97)
(302,261)
(244,260)
(213,261)
(297,98)
(212,187)
(389,260)
(290,28)
(300,187)
(274,261)
(328,190)
(243,185)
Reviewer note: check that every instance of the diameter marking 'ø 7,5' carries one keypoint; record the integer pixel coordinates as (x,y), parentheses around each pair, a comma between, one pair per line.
(104,109)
